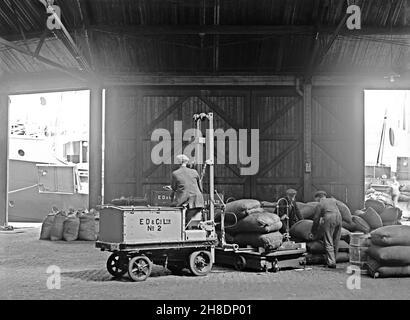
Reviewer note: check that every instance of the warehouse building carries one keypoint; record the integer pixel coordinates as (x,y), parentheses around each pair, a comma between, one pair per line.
(294,70)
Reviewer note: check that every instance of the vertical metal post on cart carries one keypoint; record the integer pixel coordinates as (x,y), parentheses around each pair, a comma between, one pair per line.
(210,161)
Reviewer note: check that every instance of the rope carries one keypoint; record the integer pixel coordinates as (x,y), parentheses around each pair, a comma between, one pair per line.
(22,189)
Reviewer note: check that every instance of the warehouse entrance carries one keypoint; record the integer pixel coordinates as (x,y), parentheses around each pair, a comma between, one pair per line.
(387,141)
(134,113)
(48,153)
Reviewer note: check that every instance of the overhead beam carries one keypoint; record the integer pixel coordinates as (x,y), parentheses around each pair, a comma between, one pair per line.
(145,30)
(42,59)
(155,30)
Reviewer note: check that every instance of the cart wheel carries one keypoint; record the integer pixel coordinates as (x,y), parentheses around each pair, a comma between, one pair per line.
(139,268)
(117,264)
(200,263)
(240,263)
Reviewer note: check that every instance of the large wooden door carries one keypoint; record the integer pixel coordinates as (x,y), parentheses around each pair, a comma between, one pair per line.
(278,115)
(338,143)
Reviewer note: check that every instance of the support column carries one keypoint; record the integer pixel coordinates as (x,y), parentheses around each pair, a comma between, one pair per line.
(4,158)
(307,142)
(95,148)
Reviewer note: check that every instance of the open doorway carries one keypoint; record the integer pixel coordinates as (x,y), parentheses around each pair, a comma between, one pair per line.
(387,146)
(48,153)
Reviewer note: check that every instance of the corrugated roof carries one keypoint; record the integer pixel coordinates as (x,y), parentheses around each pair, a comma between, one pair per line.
(114,49)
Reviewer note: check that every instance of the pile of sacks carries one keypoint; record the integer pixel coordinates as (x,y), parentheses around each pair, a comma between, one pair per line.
(248,224)
(70,226)
(389,253)
(375,215)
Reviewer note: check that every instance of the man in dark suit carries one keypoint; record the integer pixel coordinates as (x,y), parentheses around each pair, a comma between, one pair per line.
(288,210)
(332,225)
(187,190)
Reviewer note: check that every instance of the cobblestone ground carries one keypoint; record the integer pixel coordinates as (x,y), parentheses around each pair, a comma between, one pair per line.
(24,260)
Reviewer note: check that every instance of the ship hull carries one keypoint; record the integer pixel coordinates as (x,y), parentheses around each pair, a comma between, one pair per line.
(26,203)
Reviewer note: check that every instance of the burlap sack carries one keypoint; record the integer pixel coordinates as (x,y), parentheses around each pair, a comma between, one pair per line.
(377,205)
(391,236)
(56,232)
(307,210)
(46,226)
(372,218)
(360,224)
(390,256)
(260,222)
(269,241)
(344,211)
(379,271)
(302,230)
(71,227)
(87,227)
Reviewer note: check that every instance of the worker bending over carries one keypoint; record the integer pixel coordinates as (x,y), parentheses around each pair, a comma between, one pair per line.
(288,211)
(332,225)
(187,190)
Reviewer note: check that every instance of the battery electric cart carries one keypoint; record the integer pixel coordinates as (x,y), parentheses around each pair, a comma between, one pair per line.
(140,236)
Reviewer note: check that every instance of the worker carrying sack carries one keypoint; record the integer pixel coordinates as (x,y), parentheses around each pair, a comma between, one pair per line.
(269,241)
(260,222)
(87,227)
(344,211)
(390,256)
(372,218)
(307,210)
(56,232)
(391,236)
(46,226)
(71,227)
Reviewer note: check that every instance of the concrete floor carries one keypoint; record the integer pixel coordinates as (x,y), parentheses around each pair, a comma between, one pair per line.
(24,261)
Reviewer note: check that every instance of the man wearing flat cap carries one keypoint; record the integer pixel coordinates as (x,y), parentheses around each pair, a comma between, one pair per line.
(187,189)
(288,210)
(331,226)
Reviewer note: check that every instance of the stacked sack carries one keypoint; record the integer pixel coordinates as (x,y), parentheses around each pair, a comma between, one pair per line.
(375,215)
(70,226)
(301,232)
(248,224)
(389,253)
(405,193)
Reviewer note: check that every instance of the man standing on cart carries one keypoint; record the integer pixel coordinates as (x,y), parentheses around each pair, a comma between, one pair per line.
(187,190)
(288,211)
